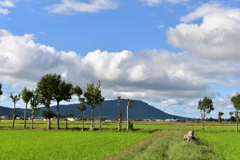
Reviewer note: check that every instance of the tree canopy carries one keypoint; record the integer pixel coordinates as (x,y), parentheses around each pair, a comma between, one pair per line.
(205,106)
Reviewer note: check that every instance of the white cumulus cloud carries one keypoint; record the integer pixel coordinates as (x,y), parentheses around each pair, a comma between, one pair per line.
(217,37)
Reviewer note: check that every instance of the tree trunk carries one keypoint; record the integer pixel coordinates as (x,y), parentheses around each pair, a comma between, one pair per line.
(92,122)
(127,120)
(237,118)
(32,123)
(49,123)
(100,121)
(82,121)
(13,119)
(66,123)
(203,124)
(119,117)
(14,114)
(119,123)
(58,115)
(25,114)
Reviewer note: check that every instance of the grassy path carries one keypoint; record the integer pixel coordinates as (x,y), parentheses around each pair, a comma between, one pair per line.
(168,144)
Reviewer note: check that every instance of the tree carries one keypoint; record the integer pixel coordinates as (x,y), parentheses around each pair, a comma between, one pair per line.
(129,105)
(47,90)
(48,114)
(78,91)
(14,99)
(205,106)
(119,114)
(63,94)
(219,117)
(236,104)
(230,113)
(1,92)
(82,108)
(101,99)
(92,95)
(26,97)
(34,102)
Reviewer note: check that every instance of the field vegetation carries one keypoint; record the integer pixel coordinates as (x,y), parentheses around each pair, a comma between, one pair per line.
(148,141)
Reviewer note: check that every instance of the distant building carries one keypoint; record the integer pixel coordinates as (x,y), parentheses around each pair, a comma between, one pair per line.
(4,117)
(159,120)
(71,118)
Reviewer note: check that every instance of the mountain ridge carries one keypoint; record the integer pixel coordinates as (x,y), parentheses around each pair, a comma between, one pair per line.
(140,110)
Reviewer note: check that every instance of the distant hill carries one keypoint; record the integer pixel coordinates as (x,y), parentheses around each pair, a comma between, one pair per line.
(140,110)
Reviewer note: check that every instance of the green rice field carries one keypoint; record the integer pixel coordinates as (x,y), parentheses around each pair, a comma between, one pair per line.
(40,145)
(148,141)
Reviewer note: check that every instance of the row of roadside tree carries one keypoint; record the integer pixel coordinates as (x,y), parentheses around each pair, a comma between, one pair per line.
(51,88)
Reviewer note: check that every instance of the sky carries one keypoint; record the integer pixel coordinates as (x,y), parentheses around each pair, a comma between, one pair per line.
(168,53)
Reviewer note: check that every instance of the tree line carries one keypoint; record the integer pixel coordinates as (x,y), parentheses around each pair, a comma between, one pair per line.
(51,88)
(206,106)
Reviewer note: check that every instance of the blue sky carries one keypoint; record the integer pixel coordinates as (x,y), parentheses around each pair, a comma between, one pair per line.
(168,53)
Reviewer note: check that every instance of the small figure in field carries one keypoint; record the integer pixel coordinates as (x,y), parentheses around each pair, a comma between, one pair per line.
(189,136)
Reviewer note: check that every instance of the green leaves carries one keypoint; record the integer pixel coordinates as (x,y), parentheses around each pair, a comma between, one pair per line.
(27,94)
(47,88)
(92,94)
(236,101)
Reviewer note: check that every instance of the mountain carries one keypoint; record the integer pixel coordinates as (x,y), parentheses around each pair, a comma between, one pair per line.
(140,110)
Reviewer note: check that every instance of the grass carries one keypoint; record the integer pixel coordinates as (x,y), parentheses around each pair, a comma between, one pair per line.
(149,141)
(26,144)
(225,143)
(168,144)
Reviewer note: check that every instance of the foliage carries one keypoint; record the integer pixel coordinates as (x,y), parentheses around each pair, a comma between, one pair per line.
(77,90)
(205,106)
(236,104)
(92,95)
(26,97)
(47,89)
(219,117)
(48,114)
(231,113)
(1,92)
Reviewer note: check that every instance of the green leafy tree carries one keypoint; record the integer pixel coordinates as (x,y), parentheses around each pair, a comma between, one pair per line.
(205,106)
(82,108)
(92,94)
(14,99)
(63,94)
(219,117)
(236,104)
(230,113)
(34,102)
(119,114)
(78,91)
(26,97)
(101,99)
(48,114)
(129,105)
(47,90)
